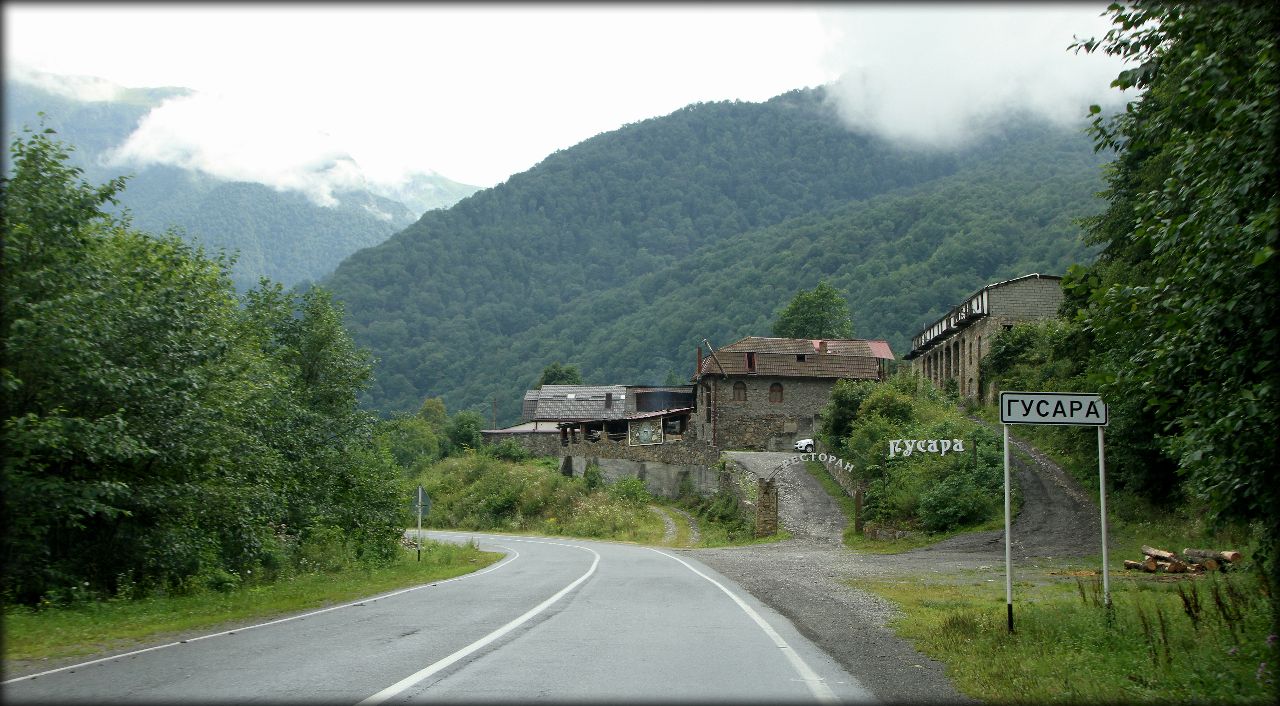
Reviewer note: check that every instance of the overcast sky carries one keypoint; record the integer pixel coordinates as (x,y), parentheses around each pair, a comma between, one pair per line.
(479,92)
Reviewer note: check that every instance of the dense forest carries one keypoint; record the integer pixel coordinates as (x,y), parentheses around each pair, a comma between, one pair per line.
(162,432)
(281,235)
(620,254)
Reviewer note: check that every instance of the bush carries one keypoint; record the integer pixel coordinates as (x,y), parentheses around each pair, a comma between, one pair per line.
(508,450)
(955,502)
(630,490)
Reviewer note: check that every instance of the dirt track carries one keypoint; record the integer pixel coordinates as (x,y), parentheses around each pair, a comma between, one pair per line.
(804,577)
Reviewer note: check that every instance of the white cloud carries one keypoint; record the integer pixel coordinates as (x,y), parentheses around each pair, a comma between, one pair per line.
(241,139)
(317,97)
(937,74)
(81,88)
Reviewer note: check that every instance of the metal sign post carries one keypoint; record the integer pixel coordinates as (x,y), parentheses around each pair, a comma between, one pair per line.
(1061,409)
(421,494)
(1008,546)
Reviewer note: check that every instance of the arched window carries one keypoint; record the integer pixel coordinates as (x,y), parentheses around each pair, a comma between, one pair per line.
(739,391)
(775,392)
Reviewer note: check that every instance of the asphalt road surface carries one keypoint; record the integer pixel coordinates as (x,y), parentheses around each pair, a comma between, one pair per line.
(557,619)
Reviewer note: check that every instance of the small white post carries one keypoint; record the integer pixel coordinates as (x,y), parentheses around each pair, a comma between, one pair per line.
(1102,503)
(1008,550)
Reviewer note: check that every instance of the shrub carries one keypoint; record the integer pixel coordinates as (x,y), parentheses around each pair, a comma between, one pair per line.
(630,490)
(955,502)
(508,450)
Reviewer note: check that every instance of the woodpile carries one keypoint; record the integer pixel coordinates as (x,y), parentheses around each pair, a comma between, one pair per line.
(1191,561)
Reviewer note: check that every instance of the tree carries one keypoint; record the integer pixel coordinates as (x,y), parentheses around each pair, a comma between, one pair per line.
(556,374)
(432,410)
(464,430)
(819,314)
(158,431)
(1180,297)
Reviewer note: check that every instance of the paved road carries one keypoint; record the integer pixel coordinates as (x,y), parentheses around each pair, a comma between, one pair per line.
(556,619)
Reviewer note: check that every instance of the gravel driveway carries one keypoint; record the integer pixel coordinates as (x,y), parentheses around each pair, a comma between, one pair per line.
(804,577)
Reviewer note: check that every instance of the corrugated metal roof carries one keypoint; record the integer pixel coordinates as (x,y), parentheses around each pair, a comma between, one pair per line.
(543,427)
(576,402)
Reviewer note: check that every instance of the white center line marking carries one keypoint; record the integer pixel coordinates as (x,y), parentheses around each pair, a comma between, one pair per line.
(480,644)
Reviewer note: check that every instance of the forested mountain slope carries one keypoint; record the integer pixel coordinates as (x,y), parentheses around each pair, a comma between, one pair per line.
(621,253)
(281,235)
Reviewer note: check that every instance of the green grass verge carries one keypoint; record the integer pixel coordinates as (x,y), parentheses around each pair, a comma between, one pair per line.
(1201,639)
(101,626)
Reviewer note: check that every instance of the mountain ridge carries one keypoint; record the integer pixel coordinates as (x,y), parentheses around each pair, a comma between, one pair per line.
(279,234)
(470,303)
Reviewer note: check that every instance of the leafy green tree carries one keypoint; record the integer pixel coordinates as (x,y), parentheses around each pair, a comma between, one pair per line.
(156,431)
(841,410)
(464,430)
(820,313)
(557,374)
(432,410)
(1182,296)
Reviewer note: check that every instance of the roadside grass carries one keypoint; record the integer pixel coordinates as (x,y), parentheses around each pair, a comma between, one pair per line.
(100,626)
(1170,640)
(862,543)
(480,493)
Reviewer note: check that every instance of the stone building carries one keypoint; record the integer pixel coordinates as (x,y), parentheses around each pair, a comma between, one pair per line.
(952,347)
(625,430)
(765,393)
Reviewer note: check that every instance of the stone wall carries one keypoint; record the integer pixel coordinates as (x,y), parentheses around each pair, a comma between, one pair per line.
(757,424)
(679,451)
(661,479)
(537,443)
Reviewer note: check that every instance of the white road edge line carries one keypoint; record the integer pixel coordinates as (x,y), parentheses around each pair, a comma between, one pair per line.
(816,684)
(480,644)
(507,560)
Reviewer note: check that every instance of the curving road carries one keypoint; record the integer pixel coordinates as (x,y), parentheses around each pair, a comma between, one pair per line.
(557,619)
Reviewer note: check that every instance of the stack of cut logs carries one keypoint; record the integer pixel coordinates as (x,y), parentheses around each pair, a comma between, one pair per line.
(1192,561)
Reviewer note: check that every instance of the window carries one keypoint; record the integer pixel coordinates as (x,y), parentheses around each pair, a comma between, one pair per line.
(751,362)
(775,392)
(608,400)
(739,391)
(800,357)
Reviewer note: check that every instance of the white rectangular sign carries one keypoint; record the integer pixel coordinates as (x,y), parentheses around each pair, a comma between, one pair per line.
(1052,408)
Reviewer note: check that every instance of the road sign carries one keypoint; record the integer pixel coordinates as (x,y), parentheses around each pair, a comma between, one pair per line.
(1063,408)
(1059,408)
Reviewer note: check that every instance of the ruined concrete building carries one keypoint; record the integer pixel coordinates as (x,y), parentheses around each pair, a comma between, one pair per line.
(952,347)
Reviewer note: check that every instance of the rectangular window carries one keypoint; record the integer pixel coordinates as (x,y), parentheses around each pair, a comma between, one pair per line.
(800,357)
(608,400)
(751,362)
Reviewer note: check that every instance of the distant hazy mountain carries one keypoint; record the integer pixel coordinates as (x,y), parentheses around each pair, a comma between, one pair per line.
(620,254)
(281,235)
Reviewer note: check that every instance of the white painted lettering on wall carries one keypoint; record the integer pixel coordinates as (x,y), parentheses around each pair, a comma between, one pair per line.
(933,446)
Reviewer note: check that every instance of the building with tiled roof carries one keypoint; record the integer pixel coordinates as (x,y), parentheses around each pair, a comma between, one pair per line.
(765,393)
